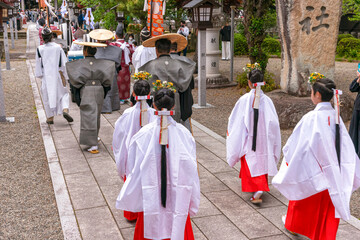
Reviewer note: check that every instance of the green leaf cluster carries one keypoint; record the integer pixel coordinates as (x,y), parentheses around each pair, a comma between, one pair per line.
(269,78)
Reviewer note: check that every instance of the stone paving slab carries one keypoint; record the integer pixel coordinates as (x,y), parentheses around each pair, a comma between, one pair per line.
(93,184)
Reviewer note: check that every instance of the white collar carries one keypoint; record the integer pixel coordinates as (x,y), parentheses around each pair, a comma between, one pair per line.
(323,105)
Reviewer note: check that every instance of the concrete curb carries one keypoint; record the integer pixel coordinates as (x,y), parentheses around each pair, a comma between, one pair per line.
(66,213)
(353,220)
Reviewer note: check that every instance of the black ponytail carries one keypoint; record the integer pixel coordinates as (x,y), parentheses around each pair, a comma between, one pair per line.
(164,98)
(163,176)
(255,76)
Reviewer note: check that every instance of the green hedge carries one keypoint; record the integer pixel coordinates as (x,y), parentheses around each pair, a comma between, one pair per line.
(349,47)
(271,46)
(342,36)
(240,45)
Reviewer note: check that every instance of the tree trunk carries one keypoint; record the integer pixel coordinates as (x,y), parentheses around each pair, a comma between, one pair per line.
(254,30)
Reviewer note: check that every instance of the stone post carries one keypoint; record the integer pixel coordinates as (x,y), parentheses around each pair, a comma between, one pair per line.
(16,31)
(6,46)
(308,31)
(11,22)
(232,43)
(213,75)
(202,68)
(2,99)
(23,5)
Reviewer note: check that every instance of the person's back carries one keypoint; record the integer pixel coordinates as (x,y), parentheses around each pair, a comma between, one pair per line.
(174,178)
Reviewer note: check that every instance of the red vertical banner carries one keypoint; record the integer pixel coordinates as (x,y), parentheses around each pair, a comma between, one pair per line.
(42,4)
(157,17)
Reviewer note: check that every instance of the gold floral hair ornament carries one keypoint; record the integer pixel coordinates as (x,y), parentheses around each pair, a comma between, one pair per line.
(157,85)
(249,67)
(141,76)
(314,77)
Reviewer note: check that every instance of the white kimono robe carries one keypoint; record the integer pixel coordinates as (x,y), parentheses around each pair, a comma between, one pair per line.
(240,135)
(50,59)
(125,128)
(142,55)
(142,189)
(310,163)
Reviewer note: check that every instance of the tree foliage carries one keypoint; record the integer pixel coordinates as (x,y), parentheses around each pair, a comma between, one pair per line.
(352,7)
(254,28)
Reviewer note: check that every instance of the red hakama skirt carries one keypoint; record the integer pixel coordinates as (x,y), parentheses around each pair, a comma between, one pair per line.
(313,217)
(123,81)
(252,184)
(130,216)
(139,229)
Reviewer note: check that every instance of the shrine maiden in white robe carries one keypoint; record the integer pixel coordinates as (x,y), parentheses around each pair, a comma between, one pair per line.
(50,59)
(142,189)
(240,135)
(142,55)
(310,163)
(125,128)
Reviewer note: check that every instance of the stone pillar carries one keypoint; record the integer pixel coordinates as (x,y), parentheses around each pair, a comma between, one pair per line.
(6,46)
(308,31)
(16,31)
(23,5)
(202,68)
(213,53)
(2,100)
(11,22)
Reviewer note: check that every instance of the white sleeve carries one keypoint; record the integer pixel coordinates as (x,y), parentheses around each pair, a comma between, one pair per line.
(119,147)
(236,135)
(195,195)
(186,31)
(145,5)
(63,64)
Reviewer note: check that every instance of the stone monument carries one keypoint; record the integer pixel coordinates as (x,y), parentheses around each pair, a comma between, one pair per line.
(308,32)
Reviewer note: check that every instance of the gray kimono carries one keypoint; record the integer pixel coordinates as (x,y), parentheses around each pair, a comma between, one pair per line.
(178,72)
(112,101)
(92,76)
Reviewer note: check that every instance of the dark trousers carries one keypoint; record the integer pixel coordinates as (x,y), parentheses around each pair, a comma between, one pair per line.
(184,52)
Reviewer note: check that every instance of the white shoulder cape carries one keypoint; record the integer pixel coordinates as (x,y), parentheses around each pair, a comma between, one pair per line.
(125,128)
(142,189)
(310,163)
(240,135)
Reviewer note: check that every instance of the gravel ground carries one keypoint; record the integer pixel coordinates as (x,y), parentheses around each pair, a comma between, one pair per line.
(27,202)
(223,101)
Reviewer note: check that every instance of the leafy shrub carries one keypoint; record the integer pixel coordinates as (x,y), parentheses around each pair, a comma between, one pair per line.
(270,85)
(240,45)
(347,46)
(271,46)
(342,36)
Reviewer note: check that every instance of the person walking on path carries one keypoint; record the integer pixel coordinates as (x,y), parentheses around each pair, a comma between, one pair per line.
(354,129)
(143,54)
(179,72)
(254,138)
(123,79)
(91,79)
(50,67)
(112,53)
(163,182)
(184,31)
(320,169)
(225,34)
(130,122)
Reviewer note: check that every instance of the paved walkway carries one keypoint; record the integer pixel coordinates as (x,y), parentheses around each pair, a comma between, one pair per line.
(87,185)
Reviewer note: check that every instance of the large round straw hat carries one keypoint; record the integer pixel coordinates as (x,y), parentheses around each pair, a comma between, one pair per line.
(91,44)
(101,34)
(173,37)
(58,32)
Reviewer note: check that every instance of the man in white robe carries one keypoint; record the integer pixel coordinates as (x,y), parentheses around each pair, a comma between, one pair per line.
(257,164)
(50,67)
(143,54)
(311,177)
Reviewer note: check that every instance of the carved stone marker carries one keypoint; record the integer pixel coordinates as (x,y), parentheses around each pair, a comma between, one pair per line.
(308,32)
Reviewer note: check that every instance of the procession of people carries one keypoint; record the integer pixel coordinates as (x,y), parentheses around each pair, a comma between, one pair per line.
(153,143)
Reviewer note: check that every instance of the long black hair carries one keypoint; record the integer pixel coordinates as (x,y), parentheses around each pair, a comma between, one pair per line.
(326,88)
(255,76)
(164,98)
